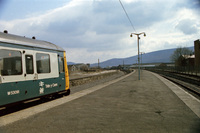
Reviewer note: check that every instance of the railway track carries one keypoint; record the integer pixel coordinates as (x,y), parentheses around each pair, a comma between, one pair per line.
(190,83)
(86,79)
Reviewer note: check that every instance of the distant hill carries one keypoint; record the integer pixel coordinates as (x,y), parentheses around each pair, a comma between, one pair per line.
(162,56)
(70,63)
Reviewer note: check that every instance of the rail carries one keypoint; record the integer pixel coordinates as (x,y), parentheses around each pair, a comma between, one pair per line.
(187,81)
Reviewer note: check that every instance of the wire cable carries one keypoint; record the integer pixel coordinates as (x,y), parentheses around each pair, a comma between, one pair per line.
(127,15)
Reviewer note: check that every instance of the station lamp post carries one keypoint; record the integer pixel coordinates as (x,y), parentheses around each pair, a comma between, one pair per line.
(138,37)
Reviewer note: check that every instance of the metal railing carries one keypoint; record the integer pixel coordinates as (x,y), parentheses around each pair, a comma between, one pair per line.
(190,70)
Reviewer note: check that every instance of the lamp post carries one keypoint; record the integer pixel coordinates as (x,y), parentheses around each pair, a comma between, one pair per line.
(138,37)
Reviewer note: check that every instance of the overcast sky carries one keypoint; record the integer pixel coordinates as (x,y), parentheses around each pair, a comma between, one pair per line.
(92,29)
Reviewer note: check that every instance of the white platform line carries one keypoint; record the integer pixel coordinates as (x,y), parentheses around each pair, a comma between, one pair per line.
(10,118)
(192,102)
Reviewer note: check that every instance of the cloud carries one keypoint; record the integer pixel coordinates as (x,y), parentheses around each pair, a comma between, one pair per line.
(82,55)
(194,4)
(90,29)
(187,26)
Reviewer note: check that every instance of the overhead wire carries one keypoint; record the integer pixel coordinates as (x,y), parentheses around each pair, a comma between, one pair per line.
(127,15)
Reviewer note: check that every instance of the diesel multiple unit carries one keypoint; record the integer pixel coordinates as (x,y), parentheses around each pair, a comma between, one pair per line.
(30,68)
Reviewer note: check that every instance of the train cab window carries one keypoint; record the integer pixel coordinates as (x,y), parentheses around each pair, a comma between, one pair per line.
(29,64)
(43,63)
(61,65)
(10,62)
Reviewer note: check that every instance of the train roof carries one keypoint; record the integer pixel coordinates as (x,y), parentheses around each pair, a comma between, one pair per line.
(19,40)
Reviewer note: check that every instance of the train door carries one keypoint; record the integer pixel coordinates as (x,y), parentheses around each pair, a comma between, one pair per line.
(29,72)
(31,85)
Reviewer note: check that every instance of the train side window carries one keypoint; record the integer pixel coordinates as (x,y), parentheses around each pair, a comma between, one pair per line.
(29,64)
(61,65)
(10,62)
(43,63)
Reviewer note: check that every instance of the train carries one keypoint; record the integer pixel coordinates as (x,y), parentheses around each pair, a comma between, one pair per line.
(30,69)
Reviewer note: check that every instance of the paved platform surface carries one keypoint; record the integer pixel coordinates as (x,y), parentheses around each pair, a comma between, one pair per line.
(127,106)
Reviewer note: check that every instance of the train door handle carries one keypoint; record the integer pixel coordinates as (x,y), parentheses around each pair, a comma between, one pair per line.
(36,76)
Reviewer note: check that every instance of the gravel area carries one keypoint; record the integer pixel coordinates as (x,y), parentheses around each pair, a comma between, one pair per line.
(96,82)
(75,75)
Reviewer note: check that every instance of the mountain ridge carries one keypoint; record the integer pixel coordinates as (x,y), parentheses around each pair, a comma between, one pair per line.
(160,56)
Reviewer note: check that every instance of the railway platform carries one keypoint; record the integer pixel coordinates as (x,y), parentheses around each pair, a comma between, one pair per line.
(151,105)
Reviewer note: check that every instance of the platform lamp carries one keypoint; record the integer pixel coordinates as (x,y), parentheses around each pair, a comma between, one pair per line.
(138,37)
